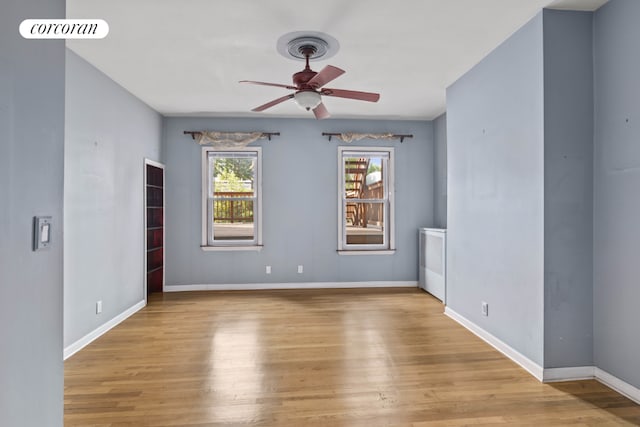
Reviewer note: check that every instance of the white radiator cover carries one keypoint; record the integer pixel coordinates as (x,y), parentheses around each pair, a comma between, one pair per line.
(433,266)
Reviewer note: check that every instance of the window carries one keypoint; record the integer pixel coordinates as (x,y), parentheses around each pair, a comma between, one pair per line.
(231,198)
(366,199)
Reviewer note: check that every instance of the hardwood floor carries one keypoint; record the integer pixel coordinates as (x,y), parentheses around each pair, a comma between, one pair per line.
(374,357)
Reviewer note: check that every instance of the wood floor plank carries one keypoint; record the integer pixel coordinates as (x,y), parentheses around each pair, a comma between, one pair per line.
(365,357)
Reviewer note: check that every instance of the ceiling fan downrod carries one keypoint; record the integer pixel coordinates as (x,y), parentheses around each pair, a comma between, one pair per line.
(308,51)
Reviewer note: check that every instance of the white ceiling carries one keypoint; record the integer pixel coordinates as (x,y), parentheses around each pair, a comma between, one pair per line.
(185,57)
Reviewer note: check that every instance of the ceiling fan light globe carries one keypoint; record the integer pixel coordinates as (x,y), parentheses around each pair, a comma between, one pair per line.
(307,100)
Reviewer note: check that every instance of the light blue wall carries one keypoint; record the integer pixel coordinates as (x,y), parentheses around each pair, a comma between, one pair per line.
(495,153)
(300,181)
(520,218)
(440,171)
(568,188)
(617,190)
(108,133)
(31,182)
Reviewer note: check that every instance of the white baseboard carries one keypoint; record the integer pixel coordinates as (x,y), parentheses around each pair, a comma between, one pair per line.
(526,363)
(305,285)
(101,330)
(618,385)
(592,372)
(573,373)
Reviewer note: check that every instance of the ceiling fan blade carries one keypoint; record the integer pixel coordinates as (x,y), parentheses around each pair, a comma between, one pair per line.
(325,75)
(272,103)
(268,84)
(321,112)
(352,94)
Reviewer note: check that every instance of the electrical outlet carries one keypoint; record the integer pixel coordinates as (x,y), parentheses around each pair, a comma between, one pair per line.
(267,269)
(300,269)
(98,307)
(485,308)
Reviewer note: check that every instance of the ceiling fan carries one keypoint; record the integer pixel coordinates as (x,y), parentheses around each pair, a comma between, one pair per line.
(309,87)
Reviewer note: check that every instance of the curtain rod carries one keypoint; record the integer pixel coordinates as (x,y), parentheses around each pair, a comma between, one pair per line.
(195,133)
(400,136)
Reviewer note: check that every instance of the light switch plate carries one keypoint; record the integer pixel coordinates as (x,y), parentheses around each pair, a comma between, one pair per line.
(41,232)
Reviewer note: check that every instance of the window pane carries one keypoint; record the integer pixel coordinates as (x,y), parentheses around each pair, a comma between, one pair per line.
(363,177)
(364,223)
(233,219)
(233,175)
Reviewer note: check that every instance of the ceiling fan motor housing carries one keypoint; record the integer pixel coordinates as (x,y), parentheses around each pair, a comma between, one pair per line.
(301,78)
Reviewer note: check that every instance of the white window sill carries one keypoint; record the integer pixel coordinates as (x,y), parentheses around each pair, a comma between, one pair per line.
(367,252)
(230,248)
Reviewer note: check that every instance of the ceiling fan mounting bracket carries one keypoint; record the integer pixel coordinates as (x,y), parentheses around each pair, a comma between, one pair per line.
(300,44)
(308,50)
(303,47)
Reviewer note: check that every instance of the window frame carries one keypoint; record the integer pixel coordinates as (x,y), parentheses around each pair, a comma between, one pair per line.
(208,244)
(388,246)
